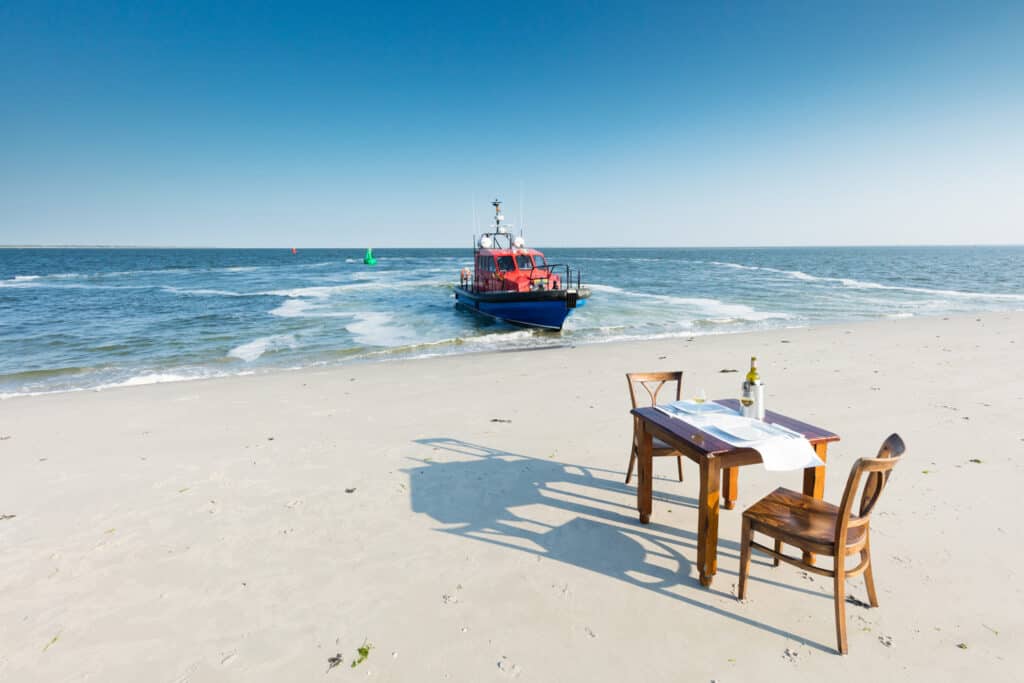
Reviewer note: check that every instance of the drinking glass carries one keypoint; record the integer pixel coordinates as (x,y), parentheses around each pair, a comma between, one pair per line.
(700,398)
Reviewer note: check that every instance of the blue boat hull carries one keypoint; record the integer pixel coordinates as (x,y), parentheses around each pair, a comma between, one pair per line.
(548,312)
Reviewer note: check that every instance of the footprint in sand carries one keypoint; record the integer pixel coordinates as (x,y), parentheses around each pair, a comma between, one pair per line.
(187,675)
(507,667)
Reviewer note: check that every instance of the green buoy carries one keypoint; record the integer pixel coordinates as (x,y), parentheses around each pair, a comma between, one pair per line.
(369,259)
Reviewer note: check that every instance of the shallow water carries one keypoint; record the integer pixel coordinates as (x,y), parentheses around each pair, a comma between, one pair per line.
(87,318)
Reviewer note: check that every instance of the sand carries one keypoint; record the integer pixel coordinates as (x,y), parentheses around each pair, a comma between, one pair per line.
(466,518)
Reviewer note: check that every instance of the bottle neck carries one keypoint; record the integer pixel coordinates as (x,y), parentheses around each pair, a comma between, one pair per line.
(752,376)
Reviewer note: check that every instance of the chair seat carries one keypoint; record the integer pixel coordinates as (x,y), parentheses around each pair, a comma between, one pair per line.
(802,521)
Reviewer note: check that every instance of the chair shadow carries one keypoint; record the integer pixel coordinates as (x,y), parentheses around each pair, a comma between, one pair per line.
(487,497)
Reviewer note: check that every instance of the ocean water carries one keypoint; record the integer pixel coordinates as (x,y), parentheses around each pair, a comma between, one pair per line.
(73,319)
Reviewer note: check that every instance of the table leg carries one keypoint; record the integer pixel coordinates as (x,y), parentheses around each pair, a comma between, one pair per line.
(644,472)
(730,486)
(814,483)
(707,521)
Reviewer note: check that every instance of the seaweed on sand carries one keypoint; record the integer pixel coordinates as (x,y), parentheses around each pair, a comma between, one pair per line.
(363,652)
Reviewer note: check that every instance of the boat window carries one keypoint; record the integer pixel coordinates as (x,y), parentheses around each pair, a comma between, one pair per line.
(524,262)
(506,263)
(539,260)
(485,264)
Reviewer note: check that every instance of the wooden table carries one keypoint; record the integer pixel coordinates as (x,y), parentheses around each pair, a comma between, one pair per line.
(719,462)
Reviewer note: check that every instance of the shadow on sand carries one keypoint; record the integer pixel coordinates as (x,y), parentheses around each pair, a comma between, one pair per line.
(488,496)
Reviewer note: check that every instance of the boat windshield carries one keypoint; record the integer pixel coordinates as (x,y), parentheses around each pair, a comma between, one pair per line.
(524,262)
(506,263)
(539,260)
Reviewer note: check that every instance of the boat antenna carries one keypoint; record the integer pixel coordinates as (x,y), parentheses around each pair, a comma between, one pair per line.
(522,215)
(474,217)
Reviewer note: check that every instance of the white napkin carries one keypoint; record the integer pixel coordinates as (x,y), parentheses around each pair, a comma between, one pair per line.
(780,448)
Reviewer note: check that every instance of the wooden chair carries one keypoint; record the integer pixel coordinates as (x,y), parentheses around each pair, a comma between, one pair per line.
(659,380)
(815,526)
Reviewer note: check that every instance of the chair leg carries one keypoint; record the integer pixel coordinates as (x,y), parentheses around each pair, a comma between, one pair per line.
(869,578)
(840,591)
(745,539)
(632,462)
(679,462)
(778,548)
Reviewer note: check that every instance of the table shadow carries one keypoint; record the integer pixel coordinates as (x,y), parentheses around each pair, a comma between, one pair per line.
(487,496)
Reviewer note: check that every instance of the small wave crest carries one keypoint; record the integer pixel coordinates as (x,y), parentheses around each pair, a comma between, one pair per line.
(292,308)
(372,328)
(206,292)
(853,283)
(250,351)
(709,308)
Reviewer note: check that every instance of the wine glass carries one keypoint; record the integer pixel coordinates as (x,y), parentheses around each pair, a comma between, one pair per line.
(700,398)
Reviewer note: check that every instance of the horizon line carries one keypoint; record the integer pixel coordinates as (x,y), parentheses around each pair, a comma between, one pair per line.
(620,247)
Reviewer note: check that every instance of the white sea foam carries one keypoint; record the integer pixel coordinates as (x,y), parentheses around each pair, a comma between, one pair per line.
(859,284)
(499,338)
(149,271)
(49,276)
(250,351)
(852,283)
(40,279)
(292,308)
(34,278)
(318,292)
(372,328)
(185,375)
(44,284)
(151,378)
(707,307)
(205,292)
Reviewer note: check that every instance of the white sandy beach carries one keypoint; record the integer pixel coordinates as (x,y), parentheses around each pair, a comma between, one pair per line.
(202,531)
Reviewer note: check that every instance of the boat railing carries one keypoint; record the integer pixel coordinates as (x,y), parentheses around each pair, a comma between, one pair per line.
(567,273)
(568,276)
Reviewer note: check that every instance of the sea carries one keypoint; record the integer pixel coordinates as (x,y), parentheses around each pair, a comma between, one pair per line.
(92,319)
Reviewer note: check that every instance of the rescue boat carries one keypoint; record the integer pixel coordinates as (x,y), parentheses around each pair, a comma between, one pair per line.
(515,284)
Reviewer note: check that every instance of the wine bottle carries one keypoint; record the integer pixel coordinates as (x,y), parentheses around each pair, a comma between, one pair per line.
(752,376)
(753,392)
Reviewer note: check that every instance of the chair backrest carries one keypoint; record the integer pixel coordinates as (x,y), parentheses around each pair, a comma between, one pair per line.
(878,470)
(652,383)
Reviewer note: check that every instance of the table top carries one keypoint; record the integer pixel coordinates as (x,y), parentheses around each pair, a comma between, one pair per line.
(708,444)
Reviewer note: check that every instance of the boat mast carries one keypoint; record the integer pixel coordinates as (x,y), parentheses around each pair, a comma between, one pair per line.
(498,228)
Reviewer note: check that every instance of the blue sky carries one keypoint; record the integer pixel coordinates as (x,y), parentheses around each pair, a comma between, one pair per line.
(635,124)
